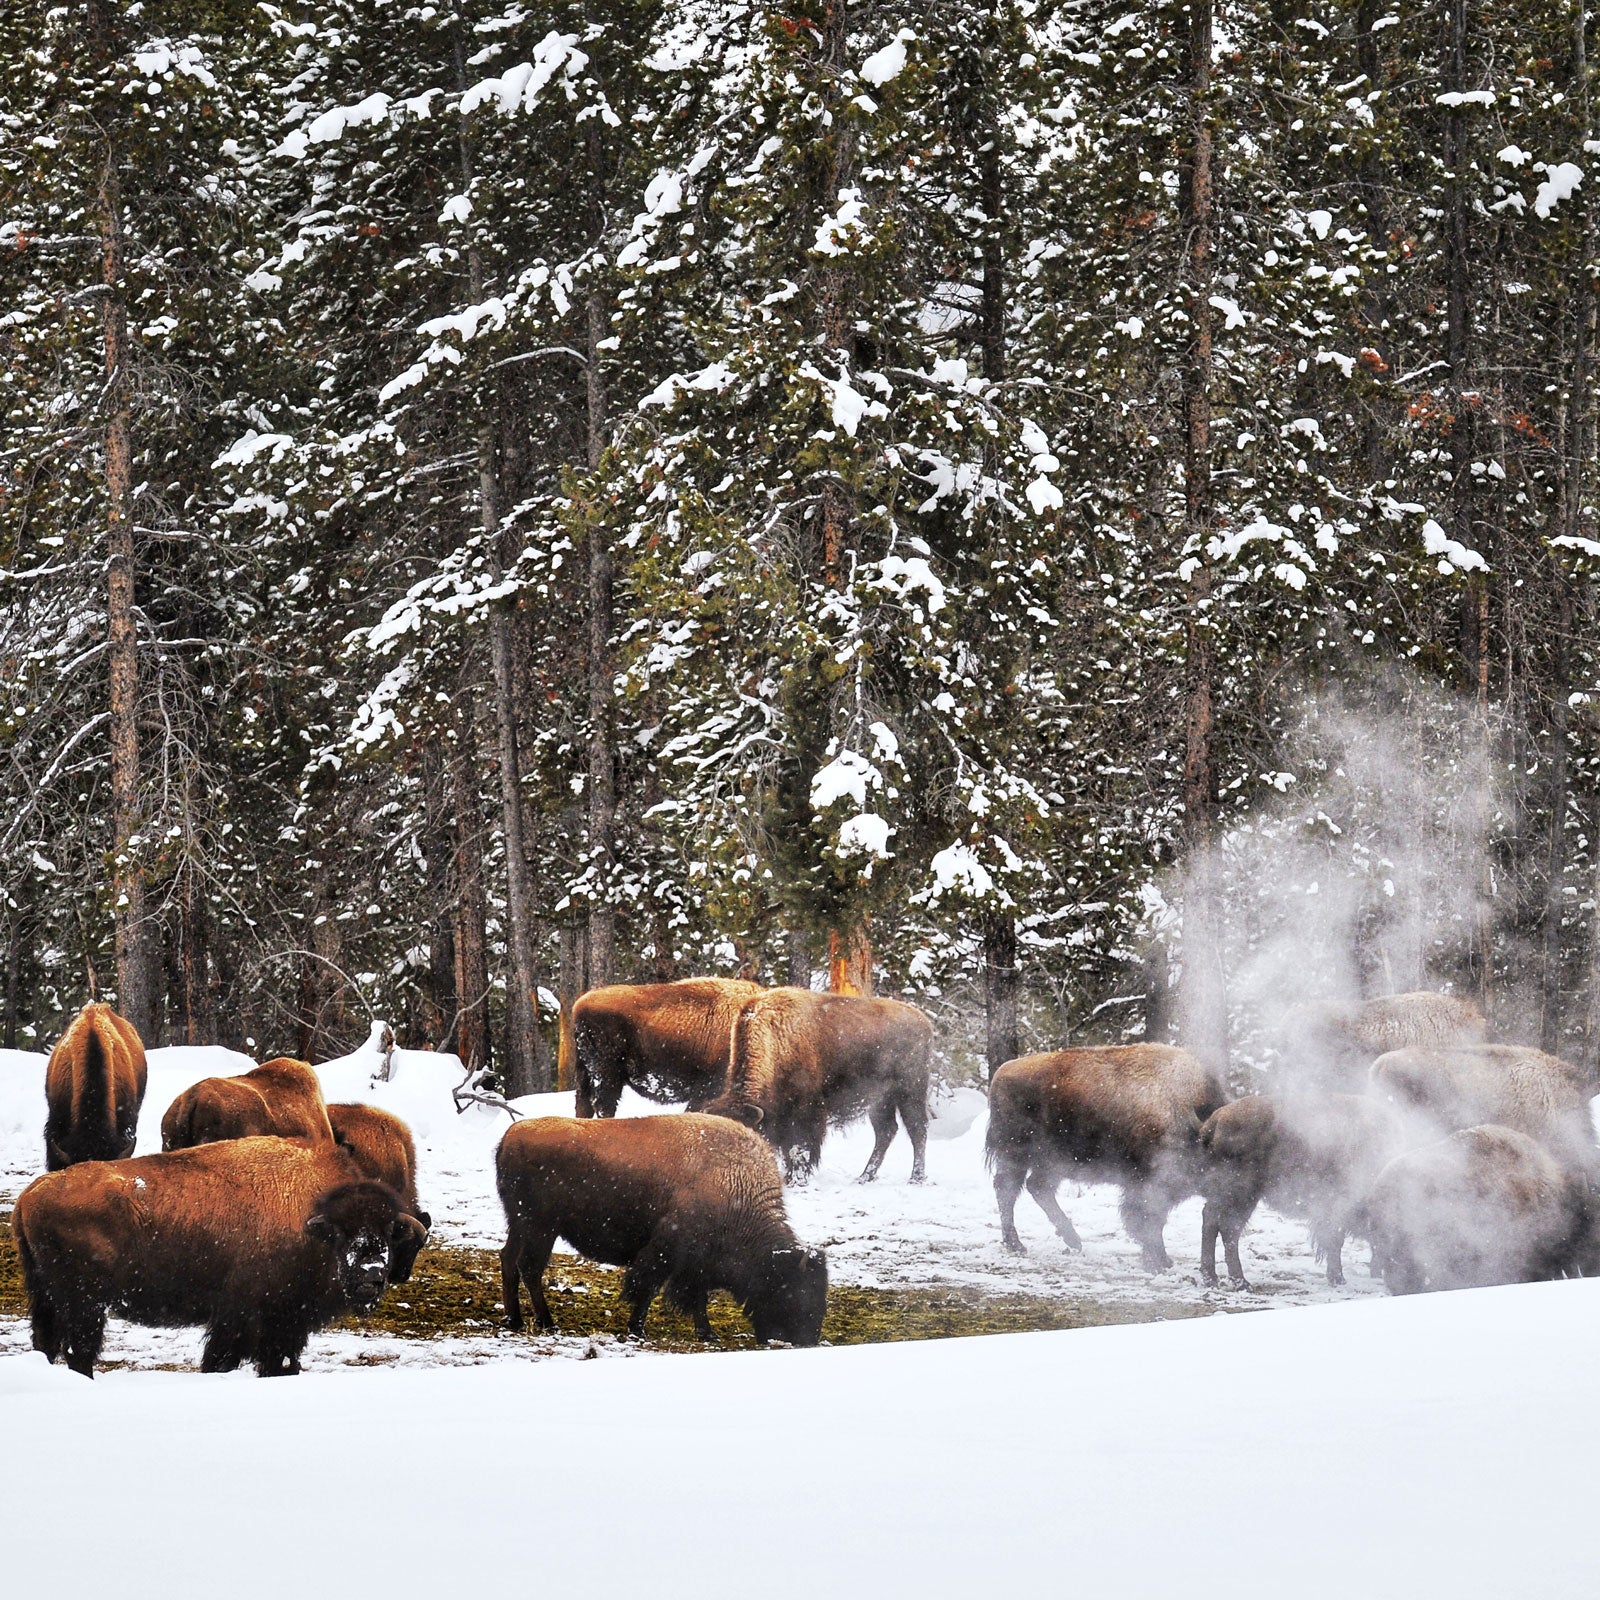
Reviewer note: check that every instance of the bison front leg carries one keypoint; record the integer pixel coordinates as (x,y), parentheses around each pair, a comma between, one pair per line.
(646,1273)
(1330,1243)
(83,1331)
(914,1114)
(1210,1229)
(1144,1215)
(1008,1179)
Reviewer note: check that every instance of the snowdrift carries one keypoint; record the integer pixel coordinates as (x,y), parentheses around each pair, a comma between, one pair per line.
(1441,1446)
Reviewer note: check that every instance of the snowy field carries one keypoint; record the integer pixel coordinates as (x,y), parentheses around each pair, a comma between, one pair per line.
(891,1233)
(1439,1446)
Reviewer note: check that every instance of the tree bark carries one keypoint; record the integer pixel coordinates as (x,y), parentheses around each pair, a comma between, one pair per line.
(1000,982)
(527,1066)
(850,960)
(136,953)
(571,983)
(198,1027)
(799,962)
(1205,1010)
(441,1003)
(470,913)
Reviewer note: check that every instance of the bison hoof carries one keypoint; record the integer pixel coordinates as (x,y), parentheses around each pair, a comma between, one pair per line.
(919,1177)
(1240,1284)
(1208,1279)
(868,1177)
(1014,1244)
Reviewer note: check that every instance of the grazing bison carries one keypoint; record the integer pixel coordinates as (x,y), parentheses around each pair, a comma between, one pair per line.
(798,1060)
(1486,1205)
(1512,1086)
(1125,1114)
(1311,1155)
(691,1202)
(282,1097)
(261,1241)
(383,1148)
(93,1088)
(1332,1046)
(667,1041)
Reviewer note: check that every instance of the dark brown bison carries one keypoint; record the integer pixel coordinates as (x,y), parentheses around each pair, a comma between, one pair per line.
(691,1202)
(93,1088)
(1311,1155)
(1332,1046)
(667,1041)
(1124,1114)
(1486,1205)
(799,1060)
(282,1097)
(383,1148)
(1511,1086)
(261,1241)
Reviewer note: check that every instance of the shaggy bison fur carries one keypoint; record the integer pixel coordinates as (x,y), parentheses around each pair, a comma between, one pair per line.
(383,1148)
(1124,1114)
(799,1060)
(261,1241)
(93,1087)
(282,1097)
(1486,1205)
(1332,1046)
(689,1202)
(1311,1155)
(667,1041)
(1511,1086)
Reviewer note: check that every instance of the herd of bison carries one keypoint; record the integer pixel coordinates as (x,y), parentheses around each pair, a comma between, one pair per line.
(269,1213)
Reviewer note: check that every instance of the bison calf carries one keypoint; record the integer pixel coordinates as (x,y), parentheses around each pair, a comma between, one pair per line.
(799,1060)
(690,1201)
(282,1097)
(261,1241)
(667,1041)
(1487,1205)
(1124,1114)
(1311,1155)
(94,1086)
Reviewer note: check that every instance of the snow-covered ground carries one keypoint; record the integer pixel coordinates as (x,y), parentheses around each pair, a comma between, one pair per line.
(1387,1450)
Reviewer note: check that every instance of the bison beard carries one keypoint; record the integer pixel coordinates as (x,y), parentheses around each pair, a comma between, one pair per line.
(690,1203)
(94,1086)
(800,1060)
(262,1241)
(666,1041)
(1126,1114)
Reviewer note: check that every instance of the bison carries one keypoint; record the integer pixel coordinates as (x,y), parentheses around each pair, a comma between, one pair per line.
(93,1087)
(1124,1114)
(798,1060)
(1332,1046)
(667,1041)
(262,1241)
(690,1202)
(1486,1205)
(1512,1086)
(383,1148)
(1311,1155)
(282,1097)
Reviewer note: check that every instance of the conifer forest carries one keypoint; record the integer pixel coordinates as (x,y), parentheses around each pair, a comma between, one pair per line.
(1079,516)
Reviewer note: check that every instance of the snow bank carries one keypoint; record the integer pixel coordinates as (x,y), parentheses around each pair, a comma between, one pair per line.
(1434,1446)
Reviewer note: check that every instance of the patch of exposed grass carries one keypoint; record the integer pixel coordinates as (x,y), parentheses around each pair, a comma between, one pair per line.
(456,1293)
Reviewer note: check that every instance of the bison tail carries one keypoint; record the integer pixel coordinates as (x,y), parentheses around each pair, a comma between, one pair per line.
(94,1099)
(1001,1139)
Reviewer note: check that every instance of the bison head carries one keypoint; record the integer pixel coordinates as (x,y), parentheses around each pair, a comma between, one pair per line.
(735,1109)
(792,1298)
(368,1232)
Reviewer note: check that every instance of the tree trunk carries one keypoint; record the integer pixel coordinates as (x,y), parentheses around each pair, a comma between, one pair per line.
(1556,853)
(602,784)
(526,1059)
(136,953)
(1205,1010)
(1000,981)
(471,940)
(850,960)
(571,984)
(799,962)
(441,1003)
(198,1027)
